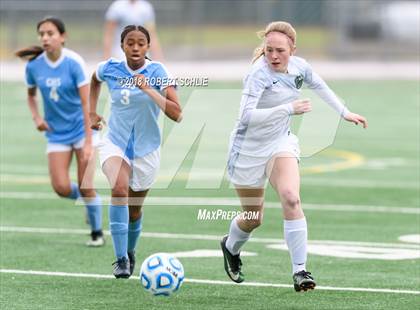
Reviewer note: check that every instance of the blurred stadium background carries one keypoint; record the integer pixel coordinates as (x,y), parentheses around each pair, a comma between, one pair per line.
(224,30)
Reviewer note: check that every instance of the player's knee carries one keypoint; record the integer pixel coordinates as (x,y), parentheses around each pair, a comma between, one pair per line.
(62,189)
(291,199)
(87,192)
(119,191)
(134,215)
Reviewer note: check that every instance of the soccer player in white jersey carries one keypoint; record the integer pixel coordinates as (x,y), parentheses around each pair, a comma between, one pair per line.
(130,151)
(59,74)
(262,147)
(129,12)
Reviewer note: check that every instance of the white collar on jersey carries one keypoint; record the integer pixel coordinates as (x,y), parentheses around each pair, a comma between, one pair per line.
(54,64)
(146,63)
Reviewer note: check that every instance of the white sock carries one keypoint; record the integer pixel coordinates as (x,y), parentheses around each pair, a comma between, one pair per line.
(296,236)
(237,238)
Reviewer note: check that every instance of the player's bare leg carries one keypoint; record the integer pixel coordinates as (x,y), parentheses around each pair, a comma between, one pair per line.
(58,166)
(85,177)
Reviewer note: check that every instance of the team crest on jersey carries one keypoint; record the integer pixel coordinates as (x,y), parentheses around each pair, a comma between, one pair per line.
(53,82)
(299,81)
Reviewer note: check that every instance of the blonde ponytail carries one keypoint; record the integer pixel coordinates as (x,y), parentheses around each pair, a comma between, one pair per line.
(279,26)
(258,52)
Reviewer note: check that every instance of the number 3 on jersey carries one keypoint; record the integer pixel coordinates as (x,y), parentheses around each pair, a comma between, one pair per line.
(125,96)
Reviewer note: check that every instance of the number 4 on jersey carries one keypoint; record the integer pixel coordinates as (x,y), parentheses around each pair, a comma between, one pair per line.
(54,94)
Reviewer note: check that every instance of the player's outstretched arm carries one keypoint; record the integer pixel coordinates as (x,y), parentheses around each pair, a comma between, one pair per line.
(356,119)
(317,84)
(168,103)
(39,121)
(95,119)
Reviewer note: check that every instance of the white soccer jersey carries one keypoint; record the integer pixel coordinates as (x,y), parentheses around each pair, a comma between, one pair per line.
(125,13)
(266,105)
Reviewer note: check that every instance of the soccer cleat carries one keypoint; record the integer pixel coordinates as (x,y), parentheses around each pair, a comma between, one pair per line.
(232,263)
(121,268)
(303,281)
(132,259)
(97,239)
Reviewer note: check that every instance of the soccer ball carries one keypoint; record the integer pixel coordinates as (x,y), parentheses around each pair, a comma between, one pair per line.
(161,274)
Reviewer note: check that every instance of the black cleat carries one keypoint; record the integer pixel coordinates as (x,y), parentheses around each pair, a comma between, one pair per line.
(132,259)
(121,268)
(303,281)
(233,263)
(96,239)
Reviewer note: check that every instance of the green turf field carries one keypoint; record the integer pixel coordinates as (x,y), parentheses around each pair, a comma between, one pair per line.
(360,194)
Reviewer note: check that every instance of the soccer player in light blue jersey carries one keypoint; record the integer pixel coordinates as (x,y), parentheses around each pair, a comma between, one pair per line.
(263,148)
(130,150)
(60,76)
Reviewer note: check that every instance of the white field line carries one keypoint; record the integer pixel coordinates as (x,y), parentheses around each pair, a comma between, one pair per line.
(213,282)
(224,201)
(67,231)
(309,181)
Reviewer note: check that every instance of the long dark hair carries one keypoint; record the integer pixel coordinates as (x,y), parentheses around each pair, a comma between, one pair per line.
(130,28)
(32,52)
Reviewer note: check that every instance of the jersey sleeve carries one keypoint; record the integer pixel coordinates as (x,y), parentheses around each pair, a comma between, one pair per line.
(113,12)
(29,78)
(255,83)
(99,72)
(318,85)
(254,86)
(79,73)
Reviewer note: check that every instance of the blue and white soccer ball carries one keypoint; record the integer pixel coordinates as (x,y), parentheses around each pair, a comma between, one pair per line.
(161,274)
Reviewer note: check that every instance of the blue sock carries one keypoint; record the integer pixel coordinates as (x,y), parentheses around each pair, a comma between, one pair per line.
(75,193)
(94,212)
(118,225)
(134,230)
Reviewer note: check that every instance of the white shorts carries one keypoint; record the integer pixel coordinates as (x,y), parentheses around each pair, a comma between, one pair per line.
(58,147)
(253,172)
(143,169)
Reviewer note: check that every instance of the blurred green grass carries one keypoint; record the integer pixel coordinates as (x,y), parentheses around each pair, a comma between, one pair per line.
(392,108)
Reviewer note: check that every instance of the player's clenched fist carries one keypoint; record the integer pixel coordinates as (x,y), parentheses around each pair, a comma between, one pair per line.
(302,106)
(141,81)
(96,121)
(41,124)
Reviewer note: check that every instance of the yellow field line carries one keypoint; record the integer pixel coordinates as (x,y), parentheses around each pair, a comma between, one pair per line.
(349,160)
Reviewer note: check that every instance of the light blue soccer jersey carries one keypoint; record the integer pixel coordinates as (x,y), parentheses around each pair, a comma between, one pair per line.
(134,115)
(59,84)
